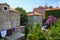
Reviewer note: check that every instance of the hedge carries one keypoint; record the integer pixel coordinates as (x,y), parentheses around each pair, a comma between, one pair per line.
(55,13)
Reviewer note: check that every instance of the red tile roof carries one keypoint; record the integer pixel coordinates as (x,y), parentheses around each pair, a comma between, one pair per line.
(52,9)
(13,10)
(34,14)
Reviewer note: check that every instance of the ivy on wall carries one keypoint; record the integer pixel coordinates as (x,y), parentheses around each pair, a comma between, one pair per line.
(55,13)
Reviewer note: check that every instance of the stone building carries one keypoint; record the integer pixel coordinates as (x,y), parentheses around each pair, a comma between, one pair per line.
(8,17)
(36,16)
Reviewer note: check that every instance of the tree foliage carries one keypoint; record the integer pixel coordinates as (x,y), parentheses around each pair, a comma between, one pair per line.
(23,16)
(51,7)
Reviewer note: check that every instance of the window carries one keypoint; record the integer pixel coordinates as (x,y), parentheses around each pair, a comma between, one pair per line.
(5,8)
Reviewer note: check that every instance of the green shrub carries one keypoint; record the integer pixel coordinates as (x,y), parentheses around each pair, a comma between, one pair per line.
(55,13)
(36,33)
(27,29)
(54,32)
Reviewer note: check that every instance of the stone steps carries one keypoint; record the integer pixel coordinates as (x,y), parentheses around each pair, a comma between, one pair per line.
(15,36)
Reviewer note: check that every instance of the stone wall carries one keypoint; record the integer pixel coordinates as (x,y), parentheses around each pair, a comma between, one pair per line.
(6,16)
(38,18)
(39,10)
(15,17)
(30,19)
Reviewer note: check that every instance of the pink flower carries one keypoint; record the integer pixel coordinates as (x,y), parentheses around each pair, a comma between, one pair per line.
(54,19)
(48,21)
(51,19)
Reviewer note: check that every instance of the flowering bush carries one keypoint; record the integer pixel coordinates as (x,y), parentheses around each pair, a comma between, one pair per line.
(51,19)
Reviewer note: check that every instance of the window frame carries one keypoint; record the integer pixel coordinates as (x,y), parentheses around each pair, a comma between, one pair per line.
(6,7)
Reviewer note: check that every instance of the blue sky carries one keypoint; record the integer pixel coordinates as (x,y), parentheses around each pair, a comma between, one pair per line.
(28,5)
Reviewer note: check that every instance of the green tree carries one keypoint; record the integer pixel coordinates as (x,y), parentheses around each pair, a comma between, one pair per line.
(23,16)
(51,7)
